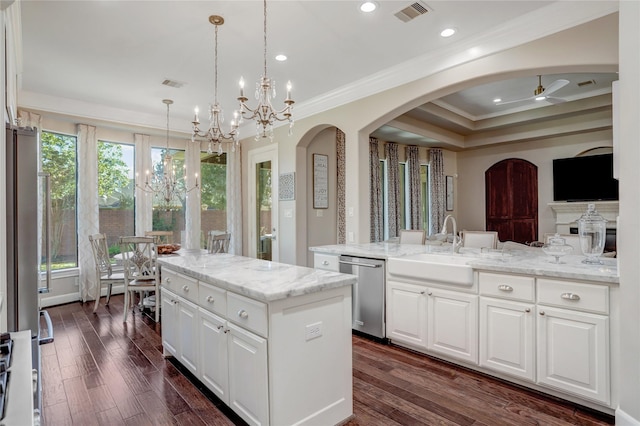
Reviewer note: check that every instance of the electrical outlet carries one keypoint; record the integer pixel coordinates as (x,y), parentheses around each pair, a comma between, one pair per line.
(313,331)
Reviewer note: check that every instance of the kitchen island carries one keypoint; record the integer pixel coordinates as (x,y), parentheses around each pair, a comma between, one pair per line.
(272,341)
(512,313)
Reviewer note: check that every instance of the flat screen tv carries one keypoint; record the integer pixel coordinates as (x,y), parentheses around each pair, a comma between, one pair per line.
(588,178)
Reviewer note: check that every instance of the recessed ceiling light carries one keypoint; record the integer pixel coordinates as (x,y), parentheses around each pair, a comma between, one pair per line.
(281,57)
(447,32)
(496,100)
(368,6)
(541,98)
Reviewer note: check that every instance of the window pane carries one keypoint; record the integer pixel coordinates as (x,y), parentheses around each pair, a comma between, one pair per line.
(116,191)
(59,159)
(168,212)
(402,176)
(213,194)
(424,188)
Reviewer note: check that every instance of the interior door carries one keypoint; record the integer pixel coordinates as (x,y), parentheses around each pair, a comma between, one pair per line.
(263,203)
(511,190)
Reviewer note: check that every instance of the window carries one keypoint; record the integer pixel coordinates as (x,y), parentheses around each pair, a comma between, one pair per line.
(426,202)
(213,193)
(59,159)
(116,191)
(169,215)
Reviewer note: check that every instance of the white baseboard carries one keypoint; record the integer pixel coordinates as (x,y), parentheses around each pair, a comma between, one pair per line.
(73,297)
(624,419)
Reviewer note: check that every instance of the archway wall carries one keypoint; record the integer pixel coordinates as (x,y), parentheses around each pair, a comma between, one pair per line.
(593,47)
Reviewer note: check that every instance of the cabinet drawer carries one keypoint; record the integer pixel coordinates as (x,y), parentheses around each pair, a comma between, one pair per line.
(182,285)
(573,295)
(247,313)
(212,299)
(328,262)
(513,287)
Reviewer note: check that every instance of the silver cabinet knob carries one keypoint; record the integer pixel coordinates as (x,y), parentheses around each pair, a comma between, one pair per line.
(243,314)
(504,287)
(168,280)
(210,299)
(430,293)
(527,310)
(541,312)
(325,262)
(185,288)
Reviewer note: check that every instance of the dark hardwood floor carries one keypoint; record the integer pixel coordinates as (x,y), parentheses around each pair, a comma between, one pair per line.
(99,371)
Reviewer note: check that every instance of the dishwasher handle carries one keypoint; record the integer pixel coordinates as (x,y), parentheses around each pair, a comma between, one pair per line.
(367,265)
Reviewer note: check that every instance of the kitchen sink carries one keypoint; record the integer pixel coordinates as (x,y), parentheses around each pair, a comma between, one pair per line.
(450,269)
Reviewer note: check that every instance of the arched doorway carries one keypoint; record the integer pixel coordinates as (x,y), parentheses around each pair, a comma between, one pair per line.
(511,191)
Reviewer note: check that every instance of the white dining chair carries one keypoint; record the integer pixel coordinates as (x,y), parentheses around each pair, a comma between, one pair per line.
(480,239)
(160,237)
(141,274)
(218,242)
(412,236)
(104,268)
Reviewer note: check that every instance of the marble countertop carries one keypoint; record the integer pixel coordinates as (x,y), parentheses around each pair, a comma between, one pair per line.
(255,278)
(514,260)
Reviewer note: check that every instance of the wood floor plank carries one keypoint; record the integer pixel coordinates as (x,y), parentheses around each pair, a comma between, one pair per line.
(101,371)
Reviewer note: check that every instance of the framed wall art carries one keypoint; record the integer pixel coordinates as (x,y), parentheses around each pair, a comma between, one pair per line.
(320,181)
(286,186)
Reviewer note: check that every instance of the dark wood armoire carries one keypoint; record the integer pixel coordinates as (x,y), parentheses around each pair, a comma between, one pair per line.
(511,190)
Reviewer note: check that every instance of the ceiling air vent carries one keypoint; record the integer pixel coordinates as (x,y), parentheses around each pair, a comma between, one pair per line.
(586,83)
(173,83)
(412,11)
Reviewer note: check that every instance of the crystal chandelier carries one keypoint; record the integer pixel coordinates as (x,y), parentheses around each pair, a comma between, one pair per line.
(167,188)
(264,114)
(215,136)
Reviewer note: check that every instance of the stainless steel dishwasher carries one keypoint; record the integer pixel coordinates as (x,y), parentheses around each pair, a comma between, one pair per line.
(367,293)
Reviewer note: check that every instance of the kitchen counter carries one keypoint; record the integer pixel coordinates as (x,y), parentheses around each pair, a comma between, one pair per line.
(518,261)
(255,278)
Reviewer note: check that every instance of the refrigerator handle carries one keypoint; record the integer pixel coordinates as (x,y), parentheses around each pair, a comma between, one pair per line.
(49,338)
(47,228)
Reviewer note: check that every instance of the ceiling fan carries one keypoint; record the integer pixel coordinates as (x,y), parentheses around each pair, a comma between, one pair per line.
(543,94)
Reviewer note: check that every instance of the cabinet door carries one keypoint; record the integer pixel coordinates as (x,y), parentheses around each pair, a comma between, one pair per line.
(452,320)
(573,352)
(214,368)
(248,376)
(507,337)
(188,335)
(407,314)
(169,312)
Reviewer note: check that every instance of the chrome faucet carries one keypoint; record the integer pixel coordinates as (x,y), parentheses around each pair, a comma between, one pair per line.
(456,242)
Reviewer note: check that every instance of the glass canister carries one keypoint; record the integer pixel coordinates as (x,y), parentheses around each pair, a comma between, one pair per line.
(557,247)
(592,229)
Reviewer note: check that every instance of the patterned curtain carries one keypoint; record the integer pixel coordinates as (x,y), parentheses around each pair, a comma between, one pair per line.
(436,190)
(87,207)
(144,200)
(376,192)
(234,200)
(340,154)
(393,188)
(415,194)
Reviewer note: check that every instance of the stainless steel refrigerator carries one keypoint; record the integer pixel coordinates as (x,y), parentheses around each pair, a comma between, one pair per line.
(28,264)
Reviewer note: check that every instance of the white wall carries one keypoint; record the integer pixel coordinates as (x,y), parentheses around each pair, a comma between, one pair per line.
(629,240)
(473,164)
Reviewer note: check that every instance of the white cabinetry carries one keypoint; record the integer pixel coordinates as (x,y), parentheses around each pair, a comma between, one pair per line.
(179,322)
(286,361)
(452,320)
(233,365)
(248,382)
(431,319)
(407,314)
(328,262)
(573,341)
(507,325)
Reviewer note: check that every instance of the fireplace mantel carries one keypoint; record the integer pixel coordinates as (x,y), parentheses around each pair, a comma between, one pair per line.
(567,213)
